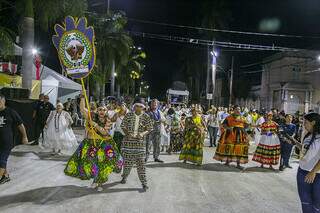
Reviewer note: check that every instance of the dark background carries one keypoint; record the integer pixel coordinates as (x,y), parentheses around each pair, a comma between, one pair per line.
(297,17)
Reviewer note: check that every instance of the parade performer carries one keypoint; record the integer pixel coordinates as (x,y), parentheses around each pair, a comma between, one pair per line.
(176,132)
(155,135)
(233,144)
(257,133)
(118,118)
(58,134)
(268,150)
(286,131)
(135,125)
(97,156)
(192,149)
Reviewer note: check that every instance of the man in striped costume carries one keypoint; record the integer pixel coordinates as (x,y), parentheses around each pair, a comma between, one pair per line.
(135,125)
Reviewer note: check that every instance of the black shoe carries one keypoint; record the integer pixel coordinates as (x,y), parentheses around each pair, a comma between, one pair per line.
(281,168)
(123,181)
(158,160)
(4,179)
(290,167)
(145,188)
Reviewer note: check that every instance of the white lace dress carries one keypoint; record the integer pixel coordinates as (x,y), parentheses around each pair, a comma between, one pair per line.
(59,134)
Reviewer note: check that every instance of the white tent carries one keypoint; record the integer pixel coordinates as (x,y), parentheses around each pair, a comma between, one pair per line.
(50,87)
(66,87)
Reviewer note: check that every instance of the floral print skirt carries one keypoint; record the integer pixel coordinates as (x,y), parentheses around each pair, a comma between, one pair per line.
(95,159)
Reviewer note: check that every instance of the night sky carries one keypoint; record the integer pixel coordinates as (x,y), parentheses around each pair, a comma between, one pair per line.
(298,17)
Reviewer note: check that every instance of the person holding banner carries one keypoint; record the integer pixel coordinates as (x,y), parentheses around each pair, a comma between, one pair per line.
(97,156)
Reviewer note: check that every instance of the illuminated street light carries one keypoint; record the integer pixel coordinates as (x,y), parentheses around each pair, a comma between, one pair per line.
(115,74)
(214,53)
(318,58)
(34,51)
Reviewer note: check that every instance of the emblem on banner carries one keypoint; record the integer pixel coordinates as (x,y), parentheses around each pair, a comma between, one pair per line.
(75,45)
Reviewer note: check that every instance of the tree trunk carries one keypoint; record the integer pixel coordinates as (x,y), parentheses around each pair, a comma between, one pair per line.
(97,90)
(27,56)
(118,91)
(112,78)
(197,88)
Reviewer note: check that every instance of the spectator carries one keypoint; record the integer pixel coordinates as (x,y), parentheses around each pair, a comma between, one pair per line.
(308,176)
(9,121)
(41,114)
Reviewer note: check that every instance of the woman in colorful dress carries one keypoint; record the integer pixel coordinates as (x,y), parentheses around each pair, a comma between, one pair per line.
(97,156)
(233,144)
(58,133)
(175,132)
(192,149)
(268,150)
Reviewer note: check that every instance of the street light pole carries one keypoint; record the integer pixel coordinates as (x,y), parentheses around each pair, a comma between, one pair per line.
(108,7)
(231,81)
(113,62)
(214,71)
(208,75)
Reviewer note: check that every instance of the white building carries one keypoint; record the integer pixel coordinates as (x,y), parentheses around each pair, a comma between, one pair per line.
(291,82)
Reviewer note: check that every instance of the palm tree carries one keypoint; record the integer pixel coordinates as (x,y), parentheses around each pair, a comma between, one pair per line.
(113,45)
(132,71)
(43,13)
(6,41)
(7,31)
(213,14)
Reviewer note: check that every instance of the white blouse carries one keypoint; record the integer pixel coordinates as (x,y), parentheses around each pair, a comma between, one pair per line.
(312,157)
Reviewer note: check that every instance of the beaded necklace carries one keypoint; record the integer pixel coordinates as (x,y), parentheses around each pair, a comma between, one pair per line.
(56,121)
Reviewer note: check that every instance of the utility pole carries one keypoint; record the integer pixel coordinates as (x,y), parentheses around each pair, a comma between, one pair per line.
(108,7)
(231,81)
(208,75)
(113,62)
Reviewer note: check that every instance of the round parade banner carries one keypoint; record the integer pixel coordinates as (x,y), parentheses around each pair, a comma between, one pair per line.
(74,42)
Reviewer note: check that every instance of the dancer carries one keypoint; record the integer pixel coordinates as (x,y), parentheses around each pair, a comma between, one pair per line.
(155,136)
(287,130)
(135,125)
(9,122)
(268,150)
(176,132)
(308,176)
(97,156)
(192,149)
(233,144)
(119,116)
(58,133)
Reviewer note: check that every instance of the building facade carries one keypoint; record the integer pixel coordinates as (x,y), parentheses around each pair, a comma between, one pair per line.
(291,82)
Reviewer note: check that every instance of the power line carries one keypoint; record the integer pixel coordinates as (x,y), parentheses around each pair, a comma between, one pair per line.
(222,31)
(222,44)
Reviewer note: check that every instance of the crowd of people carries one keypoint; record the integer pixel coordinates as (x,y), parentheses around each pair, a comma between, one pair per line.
(119,136)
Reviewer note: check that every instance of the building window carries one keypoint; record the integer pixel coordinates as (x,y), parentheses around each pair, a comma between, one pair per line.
(296,72)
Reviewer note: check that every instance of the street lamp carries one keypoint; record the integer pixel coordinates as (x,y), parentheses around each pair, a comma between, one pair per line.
(34,51)
(318,57)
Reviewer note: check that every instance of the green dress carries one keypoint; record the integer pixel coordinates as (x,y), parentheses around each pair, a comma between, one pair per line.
(192,149)
(95,159)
